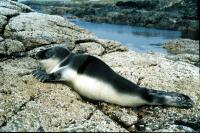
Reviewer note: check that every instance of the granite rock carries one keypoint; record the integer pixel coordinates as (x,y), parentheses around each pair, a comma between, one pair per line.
(29,105)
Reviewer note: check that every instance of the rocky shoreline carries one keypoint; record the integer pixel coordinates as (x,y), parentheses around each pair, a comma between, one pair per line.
(172,14)
(28,105)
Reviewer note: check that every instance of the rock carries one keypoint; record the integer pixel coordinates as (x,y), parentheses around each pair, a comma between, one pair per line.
(180,46)
(36,29)
(8,12)
(160,120)
(177,15)
(32,106)
(97,123)
(9,46)
(29,105)
(1,39)
(2,49)
(132,128)
(45,29)
(15,6)
(32,52)
(126,116)
(189,58)
(153,67)
(9,9)
(128,120)
(108,45)
(137,4)
(48,29)
(112,46)
(3,22)
(176,128)
(178,76)
(91,48)
(184,49)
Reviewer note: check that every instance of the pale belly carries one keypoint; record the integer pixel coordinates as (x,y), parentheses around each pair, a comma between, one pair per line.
(99,90)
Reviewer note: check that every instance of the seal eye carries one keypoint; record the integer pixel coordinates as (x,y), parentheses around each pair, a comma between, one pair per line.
(49,54)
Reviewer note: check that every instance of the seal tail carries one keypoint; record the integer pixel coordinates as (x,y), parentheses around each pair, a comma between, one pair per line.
(156,97)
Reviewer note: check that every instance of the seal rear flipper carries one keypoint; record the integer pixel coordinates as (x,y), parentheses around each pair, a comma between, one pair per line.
(156,97)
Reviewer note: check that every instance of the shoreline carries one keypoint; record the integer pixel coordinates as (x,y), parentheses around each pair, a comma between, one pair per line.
(114,13)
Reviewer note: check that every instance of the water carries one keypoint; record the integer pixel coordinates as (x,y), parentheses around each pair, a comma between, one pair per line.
(139,39)
(135,38)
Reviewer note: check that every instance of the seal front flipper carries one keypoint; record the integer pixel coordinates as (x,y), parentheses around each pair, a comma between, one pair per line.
(42,76)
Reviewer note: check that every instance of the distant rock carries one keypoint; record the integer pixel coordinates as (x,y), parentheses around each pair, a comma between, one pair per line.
(180,46)
(171,14)
(184,49)
(12,5)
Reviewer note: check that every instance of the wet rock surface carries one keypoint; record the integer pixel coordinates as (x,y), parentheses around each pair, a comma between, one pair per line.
(29,105)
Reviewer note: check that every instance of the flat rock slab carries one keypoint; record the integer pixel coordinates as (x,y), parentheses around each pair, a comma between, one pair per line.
(156,72)
(98,122)
(15,6)
(8,12)
(35,29)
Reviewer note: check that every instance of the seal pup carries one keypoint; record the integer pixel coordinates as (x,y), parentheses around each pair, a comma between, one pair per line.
(94,79)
